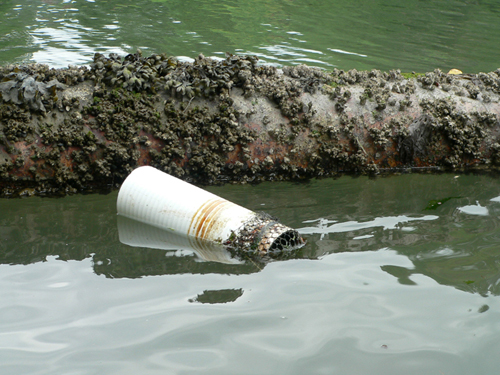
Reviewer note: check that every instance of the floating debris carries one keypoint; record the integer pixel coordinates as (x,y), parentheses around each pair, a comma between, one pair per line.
(160,200)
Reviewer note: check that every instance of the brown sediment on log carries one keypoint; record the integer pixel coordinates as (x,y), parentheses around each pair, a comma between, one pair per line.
(210,121)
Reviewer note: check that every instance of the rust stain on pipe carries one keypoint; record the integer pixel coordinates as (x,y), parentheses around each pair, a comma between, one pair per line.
(206,222)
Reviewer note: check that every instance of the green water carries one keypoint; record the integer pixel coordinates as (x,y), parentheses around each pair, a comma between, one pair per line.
(389,282)
(411,36)
(400,275)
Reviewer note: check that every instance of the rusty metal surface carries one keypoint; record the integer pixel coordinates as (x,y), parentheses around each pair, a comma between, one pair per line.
(279,128)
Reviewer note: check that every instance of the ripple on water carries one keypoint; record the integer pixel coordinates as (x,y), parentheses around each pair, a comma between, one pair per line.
(476,209)
(375,299)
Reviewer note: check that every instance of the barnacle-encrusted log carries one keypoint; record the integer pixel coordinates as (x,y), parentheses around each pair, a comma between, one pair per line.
(234,120)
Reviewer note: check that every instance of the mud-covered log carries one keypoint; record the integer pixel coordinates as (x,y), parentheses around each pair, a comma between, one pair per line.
(209,121)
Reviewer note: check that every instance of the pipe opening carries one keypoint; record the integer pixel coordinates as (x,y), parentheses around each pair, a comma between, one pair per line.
(288,240)
(264,235)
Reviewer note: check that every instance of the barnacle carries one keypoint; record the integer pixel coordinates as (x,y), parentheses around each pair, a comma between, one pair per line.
(22,88)
(139,106)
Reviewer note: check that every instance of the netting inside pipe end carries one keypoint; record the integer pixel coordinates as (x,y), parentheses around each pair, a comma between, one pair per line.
(287,240)
(275,238)
(264,235)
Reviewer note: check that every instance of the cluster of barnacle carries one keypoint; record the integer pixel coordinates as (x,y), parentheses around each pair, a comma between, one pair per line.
(491,80)
(193,133)
(399,127)
(353,76)
(207,77)
(121,115)
(281,134)
(285,94)
(203,77)
(118,160)
(377,91)
(334,154)
(197,141)
(333,158)
(429,81)
(377,87)
(474,87)
(15,123)
(57,139)
(350,77)
(134,72)
(343,151)
(35,86)
(20,86)
(465,133)
(310,78)
(407,87)
(58,135)
(381,136)
(342,97)
(437,78)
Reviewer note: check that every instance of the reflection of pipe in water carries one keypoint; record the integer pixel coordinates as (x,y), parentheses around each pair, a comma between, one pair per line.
(137,234)
(162,201)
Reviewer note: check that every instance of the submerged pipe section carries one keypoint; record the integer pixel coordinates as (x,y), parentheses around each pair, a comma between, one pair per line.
(233,120)
(197,217)
(140,235)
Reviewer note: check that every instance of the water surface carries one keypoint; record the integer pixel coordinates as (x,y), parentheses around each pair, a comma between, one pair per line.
(399,275)
(411,36)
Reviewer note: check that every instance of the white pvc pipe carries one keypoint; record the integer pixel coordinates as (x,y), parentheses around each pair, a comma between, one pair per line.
(155,198)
